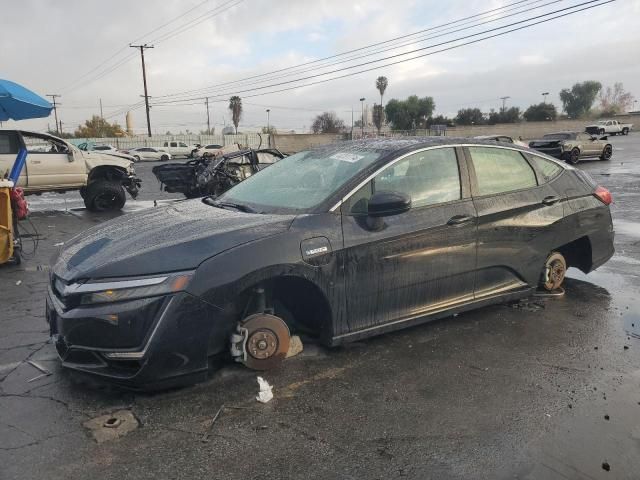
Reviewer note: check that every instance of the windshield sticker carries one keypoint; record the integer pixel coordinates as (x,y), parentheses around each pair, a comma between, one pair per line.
(347,157)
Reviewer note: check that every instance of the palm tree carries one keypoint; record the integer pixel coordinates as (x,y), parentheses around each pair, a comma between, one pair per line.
(381,85)
(235,105)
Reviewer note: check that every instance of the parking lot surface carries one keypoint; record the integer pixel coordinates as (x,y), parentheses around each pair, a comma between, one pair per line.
(547,388)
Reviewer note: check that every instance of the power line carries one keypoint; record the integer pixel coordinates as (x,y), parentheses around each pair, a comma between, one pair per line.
(349,51)
(164,37)
(416,50)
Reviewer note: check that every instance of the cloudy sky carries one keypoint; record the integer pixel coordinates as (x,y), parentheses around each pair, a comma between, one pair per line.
(79,49)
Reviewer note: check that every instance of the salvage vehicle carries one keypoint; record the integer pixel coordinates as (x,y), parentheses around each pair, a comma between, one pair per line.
(610,127)
(148,153)
(340,242)
(573,146)
(214,175)
(55,165)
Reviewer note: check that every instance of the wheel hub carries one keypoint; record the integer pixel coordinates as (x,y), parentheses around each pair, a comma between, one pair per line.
(267,341)
(555,273)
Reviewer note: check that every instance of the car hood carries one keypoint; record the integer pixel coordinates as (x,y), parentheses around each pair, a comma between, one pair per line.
(95,159)
(176,237)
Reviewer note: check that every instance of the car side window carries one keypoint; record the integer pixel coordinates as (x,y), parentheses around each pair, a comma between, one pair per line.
(429,177)
(547,169)
(8,143)
(182,144)
(500,170)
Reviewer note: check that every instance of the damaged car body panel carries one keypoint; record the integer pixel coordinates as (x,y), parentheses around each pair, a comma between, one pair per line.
(214,175)
(339,243)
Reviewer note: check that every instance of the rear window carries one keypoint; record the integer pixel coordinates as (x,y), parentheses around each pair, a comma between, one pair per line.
(547,169)
(501,170)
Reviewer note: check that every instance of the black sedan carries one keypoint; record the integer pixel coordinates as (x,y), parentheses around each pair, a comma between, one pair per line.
(338,243)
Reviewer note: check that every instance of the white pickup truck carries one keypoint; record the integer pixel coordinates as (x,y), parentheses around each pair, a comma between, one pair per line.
(55,165)
(608,127)
(179,149)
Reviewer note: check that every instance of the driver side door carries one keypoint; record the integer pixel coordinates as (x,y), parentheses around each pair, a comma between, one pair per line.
(51,165)
(421,261)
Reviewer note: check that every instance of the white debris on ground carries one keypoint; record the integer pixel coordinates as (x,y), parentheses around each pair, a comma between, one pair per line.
(265,394)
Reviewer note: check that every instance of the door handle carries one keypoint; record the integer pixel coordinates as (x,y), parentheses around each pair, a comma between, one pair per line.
(550,200)
(459,219)
(35,161)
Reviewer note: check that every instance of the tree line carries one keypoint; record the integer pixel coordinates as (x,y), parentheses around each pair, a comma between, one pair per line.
(416,112)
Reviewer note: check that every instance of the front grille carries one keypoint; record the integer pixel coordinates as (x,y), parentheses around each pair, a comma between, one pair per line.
(592,130)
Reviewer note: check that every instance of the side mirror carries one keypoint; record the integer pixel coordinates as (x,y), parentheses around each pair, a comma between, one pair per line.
(70,156)
(384,204)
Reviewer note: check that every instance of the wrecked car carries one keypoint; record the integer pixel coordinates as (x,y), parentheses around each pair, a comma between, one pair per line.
(573,146)
(210,175)
(338,243)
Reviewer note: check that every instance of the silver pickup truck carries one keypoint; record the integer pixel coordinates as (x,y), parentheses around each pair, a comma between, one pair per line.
(54,165)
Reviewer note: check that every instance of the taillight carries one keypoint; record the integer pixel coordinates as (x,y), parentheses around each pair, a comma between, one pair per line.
(603,195)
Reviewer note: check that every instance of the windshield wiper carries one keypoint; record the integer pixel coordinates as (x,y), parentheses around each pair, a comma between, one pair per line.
(237,206)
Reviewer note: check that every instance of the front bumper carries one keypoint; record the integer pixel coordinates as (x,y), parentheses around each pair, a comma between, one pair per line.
(132,184)
(143,344)
(556,152)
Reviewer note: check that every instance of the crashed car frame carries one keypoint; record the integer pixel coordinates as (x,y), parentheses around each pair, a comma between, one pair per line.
(214,175)
(351,240)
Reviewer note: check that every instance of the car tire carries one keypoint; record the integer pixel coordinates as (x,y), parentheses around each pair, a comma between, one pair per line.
(104,196)
(164,158)
(83,192)
(553,272)
(607,153)
(625,131)
(136,158)
(573,157)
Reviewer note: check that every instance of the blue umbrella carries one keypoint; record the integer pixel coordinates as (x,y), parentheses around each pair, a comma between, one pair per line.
(18,103)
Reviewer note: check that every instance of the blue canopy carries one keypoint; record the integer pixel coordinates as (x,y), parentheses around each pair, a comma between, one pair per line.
(18,103)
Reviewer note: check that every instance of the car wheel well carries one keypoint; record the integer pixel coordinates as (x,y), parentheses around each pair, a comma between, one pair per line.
(578,254)
(106,173)
(299,302)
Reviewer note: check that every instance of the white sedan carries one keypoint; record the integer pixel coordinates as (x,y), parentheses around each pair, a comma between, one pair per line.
(148,153)
(207,151)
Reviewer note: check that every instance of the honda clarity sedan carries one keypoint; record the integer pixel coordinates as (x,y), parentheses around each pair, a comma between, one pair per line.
(340,243)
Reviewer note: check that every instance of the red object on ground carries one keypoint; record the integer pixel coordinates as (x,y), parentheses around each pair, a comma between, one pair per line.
(18,203)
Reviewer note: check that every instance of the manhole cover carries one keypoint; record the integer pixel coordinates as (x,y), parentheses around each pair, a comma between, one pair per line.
(112,426)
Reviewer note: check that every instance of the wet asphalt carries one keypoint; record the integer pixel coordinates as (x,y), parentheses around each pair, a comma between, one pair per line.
(548,388)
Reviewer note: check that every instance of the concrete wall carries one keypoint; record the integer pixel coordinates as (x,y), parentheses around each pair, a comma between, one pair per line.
(297,142)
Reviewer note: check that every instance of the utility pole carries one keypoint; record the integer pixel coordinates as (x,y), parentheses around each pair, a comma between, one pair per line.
(504,103)
(60,131)
(144,81)
(55,108)
(362,118)
(268,110)
(101,114)
(544,97)
(206,102)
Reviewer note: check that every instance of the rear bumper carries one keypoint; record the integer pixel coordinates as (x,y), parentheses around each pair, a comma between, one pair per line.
(132,350)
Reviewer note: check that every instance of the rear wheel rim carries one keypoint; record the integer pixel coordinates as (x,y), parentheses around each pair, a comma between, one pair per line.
(555,271)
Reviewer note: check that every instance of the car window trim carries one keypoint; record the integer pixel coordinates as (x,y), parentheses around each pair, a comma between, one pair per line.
(462,171)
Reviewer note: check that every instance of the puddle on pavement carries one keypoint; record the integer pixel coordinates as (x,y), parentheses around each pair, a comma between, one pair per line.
(623,290)
(625,227)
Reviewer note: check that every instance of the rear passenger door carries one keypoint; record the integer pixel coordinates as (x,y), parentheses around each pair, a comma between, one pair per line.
(519,214)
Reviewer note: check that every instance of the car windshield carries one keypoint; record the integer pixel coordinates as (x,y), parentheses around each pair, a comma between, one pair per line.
(559,136)
(302,181)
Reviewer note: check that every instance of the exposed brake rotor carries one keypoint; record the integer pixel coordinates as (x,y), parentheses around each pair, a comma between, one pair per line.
(267,341)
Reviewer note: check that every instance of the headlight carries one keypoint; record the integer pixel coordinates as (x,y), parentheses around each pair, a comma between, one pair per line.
(117,290)
(567,146)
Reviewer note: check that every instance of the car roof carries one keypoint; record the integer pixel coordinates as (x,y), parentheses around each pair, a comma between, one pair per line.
(393,145)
